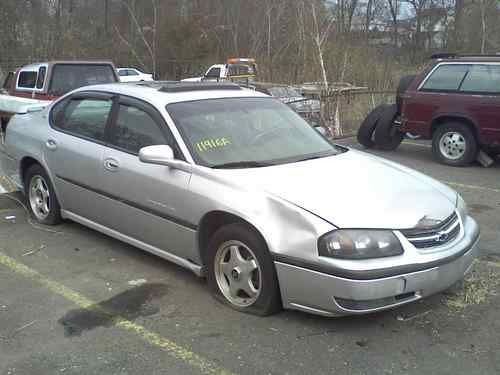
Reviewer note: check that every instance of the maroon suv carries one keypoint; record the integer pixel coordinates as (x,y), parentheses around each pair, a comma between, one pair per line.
(455,102)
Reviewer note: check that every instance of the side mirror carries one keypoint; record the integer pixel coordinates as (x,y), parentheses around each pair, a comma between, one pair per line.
(162,155)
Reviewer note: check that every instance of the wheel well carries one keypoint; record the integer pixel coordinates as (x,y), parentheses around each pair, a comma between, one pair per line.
(212,222)
(26,163)
(444,119)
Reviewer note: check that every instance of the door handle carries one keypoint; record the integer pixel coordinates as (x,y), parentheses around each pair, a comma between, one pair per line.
(51,144)
(111,164)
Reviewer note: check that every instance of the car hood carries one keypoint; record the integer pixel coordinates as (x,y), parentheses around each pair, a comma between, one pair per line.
(354,190)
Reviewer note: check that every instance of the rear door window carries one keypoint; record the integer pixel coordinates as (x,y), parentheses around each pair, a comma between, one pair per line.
(446,78)
(122,72)
(27,80)
(482,79)
(86,118)
(67,77)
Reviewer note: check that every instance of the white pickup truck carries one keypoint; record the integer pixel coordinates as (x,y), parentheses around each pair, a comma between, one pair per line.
(236,69)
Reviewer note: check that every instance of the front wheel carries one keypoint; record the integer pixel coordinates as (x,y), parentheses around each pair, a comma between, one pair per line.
(454,144)
(241,272)
(41,196)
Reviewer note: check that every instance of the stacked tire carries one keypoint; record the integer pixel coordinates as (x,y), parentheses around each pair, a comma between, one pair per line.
(381,127)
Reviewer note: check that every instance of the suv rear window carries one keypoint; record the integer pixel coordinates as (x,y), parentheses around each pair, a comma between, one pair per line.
(67,77)
(482,79)
(446,78)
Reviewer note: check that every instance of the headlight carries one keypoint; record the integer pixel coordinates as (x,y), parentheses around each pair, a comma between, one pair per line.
(462,207)
(359,244)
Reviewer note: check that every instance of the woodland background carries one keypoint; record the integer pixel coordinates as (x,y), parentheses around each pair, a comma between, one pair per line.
(364,42)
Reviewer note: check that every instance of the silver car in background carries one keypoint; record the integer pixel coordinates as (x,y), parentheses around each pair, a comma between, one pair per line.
(235,186)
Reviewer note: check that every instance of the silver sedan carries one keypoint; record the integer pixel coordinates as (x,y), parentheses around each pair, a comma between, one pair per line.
(235,186)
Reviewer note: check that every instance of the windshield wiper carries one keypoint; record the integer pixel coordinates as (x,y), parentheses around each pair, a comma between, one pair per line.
(242,164)
(316,156)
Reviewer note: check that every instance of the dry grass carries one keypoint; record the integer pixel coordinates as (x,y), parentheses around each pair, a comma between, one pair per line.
(481,283)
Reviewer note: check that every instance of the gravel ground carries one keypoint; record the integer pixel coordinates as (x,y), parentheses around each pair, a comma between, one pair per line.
(74,301)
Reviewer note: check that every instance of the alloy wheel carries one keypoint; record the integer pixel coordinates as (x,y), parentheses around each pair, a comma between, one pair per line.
(452,145)
(238,273)
(39,197)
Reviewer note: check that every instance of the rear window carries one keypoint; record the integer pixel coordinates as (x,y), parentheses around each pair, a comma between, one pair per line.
(27,80)
(482,79)
(446,78)
(67,77)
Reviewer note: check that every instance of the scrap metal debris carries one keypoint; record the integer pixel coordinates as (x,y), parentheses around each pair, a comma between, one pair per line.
(17,330)
(402,318)
(484,159)
(34,251)
(28,216)
(137,282)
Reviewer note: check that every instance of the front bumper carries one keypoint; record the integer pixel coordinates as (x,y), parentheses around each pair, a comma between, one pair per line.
(329,295)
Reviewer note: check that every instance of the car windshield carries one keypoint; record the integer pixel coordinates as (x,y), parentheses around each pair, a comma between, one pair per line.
(247,132)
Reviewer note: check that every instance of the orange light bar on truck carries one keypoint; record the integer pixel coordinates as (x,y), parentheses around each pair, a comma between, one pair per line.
(239,60)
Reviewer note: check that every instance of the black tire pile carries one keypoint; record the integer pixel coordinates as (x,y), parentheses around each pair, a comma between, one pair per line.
(380,128)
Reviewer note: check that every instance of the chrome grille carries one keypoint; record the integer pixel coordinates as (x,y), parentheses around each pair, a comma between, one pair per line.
(440,235)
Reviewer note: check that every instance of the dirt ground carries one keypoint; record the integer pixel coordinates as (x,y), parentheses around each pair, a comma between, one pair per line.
(73,301)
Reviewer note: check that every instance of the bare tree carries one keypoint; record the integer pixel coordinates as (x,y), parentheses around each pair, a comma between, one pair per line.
(151,44)
(320,35)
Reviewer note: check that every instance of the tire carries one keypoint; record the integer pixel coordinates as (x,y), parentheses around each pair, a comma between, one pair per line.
(40,194)
(365,131)
(264,298)
(387,136)
(447,141)
(403,85)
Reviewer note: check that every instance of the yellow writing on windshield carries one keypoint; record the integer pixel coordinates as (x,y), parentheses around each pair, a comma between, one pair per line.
(213,143)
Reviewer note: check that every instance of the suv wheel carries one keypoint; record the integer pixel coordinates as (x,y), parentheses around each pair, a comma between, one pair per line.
(41,196)
(454,144)
(241,272)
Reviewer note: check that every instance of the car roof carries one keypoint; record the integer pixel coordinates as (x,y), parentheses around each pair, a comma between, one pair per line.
(152,94)
(471,59)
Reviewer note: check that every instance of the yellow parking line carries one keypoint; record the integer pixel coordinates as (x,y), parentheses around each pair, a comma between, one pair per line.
(177,351)
(476,187)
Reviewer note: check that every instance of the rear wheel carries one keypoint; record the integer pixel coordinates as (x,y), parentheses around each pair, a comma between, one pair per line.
(454,144)
(42,200)
(241,272)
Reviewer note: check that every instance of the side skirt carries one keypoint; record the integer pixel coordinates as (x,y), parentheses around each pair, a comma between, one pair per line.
(195,268)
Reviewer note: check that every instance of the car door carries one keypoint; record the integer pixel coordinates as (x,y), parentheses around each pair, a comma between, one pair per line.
(438,92)
(74,151)
(149,201)
(481,89)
